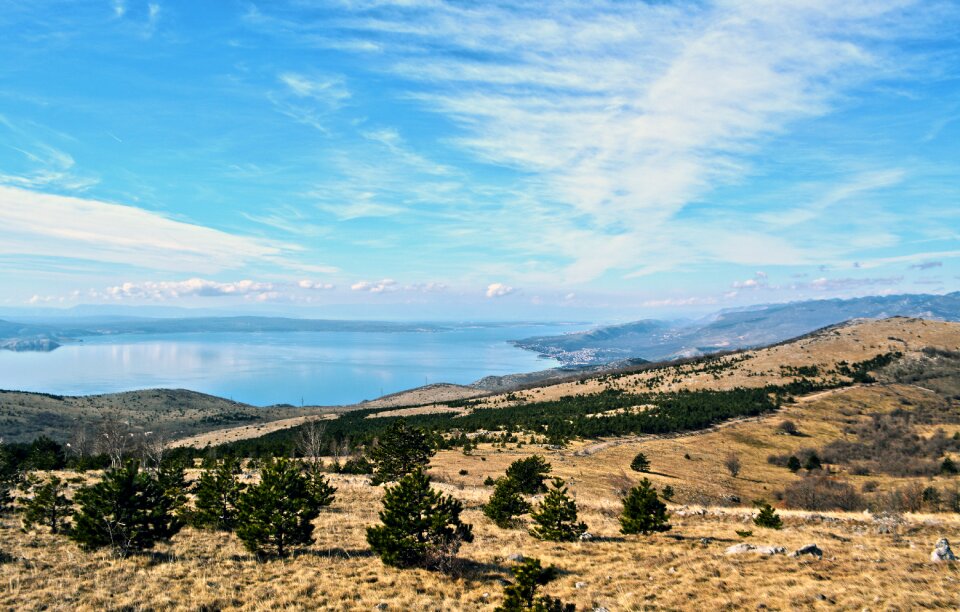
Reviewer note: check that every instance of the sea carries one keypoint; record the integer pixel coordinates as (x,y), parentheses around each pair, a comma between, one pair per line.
(263,369)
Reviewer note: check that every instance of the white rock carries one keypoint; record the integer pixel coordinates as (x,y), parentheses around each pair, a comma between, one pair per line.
(941,552)
(739,549)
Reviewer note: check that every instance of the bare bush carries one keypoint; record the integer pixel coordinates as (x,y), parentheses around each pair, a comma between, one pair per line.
(732,463)
(822,492)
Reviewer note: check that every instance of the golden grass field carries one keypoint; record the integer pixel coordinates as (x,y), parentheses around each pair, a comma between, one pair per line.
(683,569)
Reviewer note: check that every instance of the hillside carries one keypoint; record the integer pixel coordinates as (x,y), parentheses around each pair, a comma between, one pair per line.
(728,330)
(172,413)
(875,510)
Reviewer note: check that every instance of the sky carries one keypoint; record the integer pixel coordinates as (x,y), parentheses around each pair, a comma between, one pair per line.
(596,161)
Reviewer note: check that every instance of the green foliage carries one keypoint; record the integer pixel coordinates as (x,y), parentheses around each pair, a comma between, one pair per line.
(321,491)
(48,506)
(793,464)
(521,596)
(812,463)
(640,463)
(489,481)
(529,474)
(277,513)
(948,467)
(767,517)
(744,533)
(127,511)
(172,479)
(420,527)
(217,493)
(356,465)
(667,493)
(506,503)
(643,512)
(46,454)
(400,450)
(556,516)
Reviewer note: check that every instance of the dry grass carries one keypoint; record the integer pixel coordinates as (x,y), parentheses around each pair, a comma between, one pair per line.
(204,570)
(861,568)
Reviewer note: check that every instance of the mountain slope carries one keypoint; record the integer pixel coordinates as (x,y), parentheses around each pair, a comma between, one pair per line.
(756,326)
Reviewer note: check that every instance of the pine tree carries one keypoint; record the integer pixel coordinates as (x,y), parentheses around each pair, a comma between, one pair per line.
(521,595)
(793,464)
(127,511)
(48,506)
(420,526)
(276,513)
(643,512)
(505,503)
(10,476)
(767,517)
(556,516)
(321,491)
(667,493)
(171,477)
(812,463)
(948,467)
(400,450)
(529,474)
(217,493)
(640,463)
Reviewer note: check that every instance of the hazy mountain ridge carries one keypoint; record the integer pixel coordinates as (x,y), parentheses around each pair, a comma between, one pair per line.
(49,335)
(733,329)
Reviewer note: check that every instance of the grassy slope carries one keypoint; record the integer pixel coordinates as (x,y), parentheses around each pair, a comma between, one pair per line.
(176,412)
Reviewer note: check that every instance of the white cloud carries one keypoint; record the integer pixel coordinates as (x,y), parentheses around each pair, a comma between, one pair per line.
(315,285)
(381,286)
(163,290)
(689,301)
(495,290)
(310,99)
(37,224)
(623,114)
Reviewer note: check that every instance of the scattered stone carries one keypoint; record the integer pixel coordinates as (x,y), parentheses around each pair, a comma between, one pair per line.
(809,549)
(381,606)
(485,596)
(586,536)
(579,585)
(743,547)
(739,549)
(706,541)
(515,557)
(672,570)
(600,609)
(733,499)
(941,552)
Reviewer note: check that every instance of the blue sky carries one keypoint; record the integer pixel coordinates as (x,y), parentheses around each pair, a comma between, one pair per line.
(420,158)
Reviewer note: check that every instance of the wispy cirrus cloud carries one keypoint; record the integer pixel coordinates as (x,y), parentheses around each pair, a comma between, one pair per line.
(38,224)
(620,116)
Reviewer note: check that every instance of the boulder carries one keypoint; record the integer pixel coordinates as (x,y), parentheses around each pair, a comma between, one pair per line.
(586,536)
(941,552)
(517,557)
(809,549)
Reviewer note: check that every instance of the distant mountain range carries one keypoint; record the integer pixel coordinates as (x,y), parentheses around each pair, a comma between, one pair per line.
(47,336)
(732,329)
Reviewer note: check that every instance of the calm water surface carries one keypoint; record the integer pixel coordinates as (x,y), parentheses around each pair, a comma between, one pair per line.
(273,368)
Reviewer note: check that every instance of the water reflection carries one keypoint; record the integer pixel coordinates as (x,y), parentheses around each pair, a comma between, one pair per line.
(263,369)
